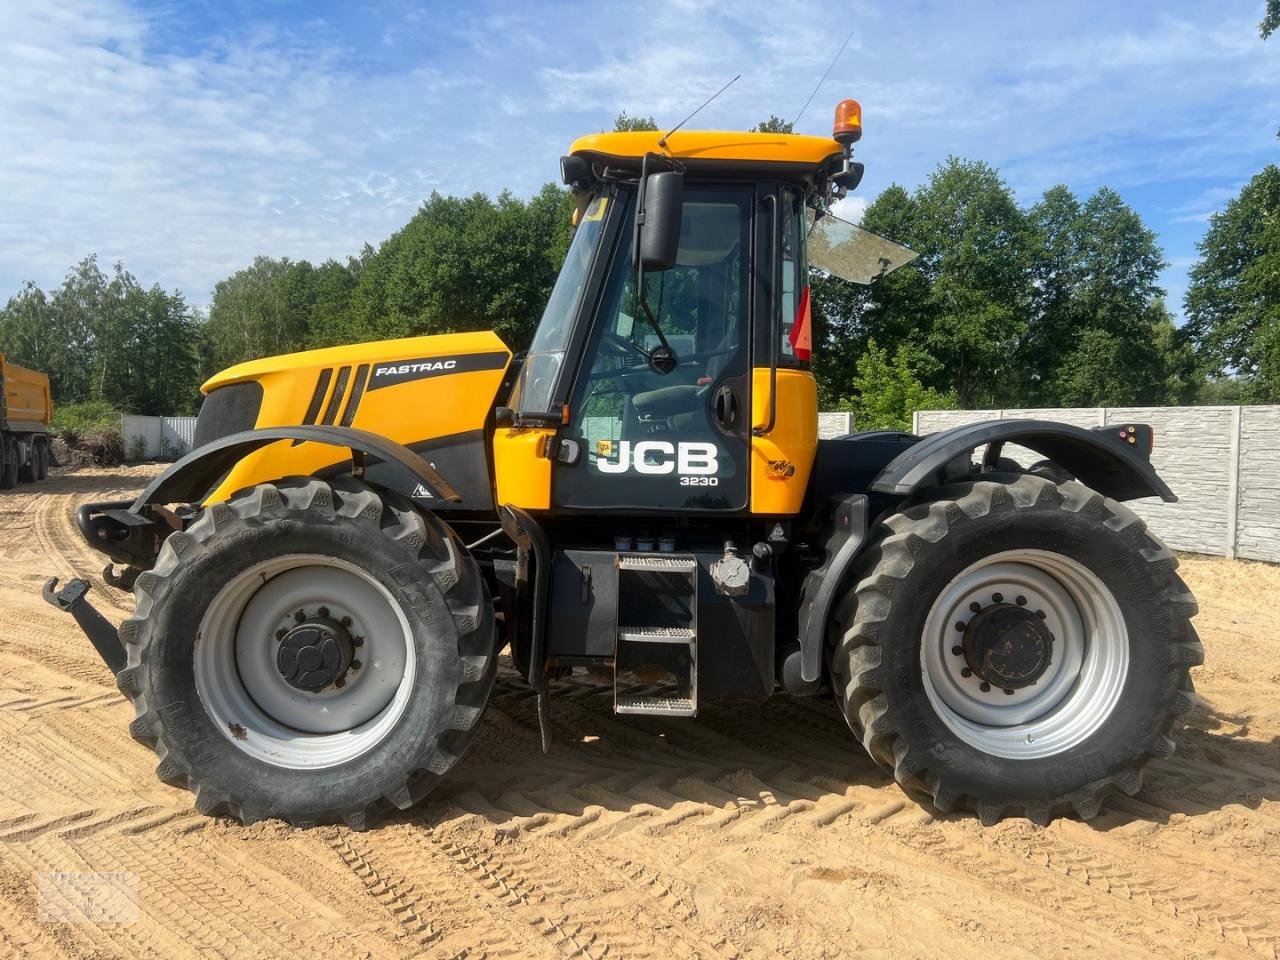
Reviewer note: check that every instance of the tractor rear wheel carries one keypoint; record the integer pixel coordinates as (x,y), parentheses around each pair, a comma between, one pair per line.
(309,651)
(1016,649)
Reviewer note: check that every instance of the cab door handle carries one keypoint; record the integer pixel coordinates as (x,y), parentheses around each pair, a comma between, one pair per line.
(726,407)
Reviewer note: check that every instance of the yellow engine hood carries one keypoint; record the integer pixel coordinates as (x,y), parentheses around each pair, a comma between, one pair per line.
(414,390)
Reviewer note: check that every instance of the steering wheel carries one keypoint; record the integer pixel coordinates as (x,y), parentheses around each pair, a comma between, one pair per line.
(620,346)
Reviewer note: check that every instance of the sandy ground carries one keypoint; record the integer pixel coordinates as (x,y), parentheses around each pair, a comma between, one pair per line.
(755,831)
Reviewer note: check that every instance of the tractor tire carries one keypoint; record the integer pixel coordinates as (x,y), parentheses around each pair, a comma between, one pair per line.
(309,651)
(9,465)
(1018,649)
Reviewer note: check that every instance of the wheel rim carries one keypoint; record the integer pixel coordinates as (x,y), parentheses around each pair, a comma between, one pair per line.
(238,669)
(1068,685)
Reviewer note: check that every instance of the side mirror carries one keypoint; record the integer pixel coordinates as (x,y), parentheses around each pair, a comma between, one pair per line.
(662,205)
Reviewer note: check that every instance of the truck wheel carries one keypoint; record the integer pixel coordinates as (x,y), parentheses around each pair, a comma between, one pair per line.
(29,472)
(1018,649)
(9,465)
(309,651)
(43,450)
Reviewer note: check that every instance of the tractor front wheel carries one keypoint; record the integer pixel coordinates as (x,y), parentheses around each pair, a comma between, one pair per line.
(1016,649)
(309,651)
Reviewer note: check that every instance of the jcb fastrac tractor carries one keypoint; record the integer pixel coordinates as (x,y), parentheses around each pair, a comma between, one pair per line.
(324,584)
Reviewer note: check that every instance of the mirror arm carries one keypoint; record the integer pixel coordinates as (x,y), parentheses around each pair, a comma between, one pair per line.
(638,260)
(774,312)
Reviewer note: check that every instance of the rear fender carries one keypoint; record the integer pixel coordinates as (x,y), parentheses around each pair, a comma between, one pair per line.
(1116,468)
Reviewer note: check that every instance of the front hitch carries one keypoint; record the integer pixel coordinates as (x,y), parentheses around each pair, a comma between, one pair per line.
(104,637)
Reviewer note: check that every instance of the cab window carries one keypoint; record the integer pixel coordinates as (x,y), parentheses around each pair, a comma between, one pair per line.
(699,306)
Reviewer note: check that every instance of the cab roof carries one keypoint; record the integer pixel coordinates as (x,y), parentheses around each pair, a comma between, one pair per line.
(712,145)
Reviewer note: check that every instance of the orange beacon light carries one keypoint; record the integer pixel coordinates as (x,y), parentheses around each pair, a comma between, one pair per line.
(848,126)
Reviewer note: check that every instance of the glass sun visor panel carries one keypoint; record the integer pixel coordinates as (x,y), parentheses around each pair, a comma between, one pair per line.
(708,233)
(851,253)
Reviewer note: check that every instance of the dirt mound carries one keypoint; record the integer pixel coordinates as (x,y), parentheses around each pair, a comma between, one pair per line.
(753,831)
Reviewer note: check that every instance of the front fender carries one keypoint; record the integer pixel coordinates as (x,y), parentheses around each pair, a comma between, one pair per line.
(193,477)
(1097,458)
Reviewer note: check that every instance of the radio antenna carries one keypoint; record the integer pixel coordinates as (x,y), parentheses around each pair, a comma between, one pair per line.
(662,140)
(822,81)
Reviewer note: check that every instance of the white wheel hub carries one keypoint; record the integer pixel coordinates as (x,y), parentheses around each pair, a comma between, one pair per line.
(1069,628)
(241,676)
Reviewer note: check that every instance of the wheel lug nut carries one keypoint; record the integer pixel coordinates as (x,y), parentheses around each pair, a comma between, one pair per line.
(1040,614)
(1021,601)
(984,686)
(966,672)
(340,682)
(324,611)
(976,607)
(960,625)
(280,634)
(957,650)
(998,597)
(345,621)
(357,641)
(355,664)
(1008,692)
(300,616)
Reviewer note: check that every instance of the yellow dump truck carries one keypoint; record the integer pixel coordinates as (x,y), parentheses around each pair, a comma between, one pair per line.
(26,407)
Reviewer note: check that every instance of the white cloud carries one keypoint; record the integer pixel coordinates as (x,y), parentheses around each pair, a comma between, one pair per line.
(186,160)
(850,208)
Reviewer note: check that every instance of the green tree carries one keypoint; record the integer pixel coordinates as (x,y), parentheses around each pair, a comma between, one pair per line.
(888,391)
(31,336)
(625,123)
(1107,301)
(1270,19)
(465,264)
(774,124)
(1233,300)
(1056,275)
(79,308)
(105,338)
(975,246)
(846,315)
(261,310)
(964,303)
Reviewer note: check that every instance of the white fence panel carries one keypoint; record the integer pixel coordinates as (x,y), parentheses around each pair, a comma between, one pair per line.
(832,425)
(156,438)
(1222,462)
(1258,493)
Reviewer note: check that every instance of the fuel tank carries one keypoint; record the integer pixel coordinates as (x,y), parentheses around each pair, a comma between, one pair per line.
(432,394)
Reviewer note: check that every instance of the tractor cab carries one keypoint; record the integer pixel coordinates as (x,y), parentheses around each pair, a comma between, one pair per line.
(681,324)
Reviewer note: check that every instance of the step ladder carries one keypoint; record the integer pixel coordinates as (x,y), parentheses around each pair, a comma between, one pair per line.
(655,666)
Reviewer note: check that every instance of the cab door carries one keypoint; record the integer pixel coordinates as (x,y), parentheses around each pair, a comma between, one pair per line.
(677,440)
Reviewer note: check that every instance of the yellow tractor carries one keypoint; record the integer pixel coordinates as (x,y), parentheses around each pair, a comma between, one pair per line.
(324,584)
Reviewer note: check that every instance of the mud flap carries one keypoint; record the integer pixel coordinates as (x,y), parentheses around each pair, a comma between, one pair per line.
(104,637)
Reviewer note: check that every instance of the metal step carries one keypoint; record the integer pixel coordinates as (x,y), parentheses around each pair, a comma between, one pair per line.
(655,561)
(657,706)
(656,635)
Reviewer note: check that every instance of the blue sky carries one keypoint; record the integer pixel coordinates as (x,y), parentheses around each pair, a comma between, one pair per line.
(185,138)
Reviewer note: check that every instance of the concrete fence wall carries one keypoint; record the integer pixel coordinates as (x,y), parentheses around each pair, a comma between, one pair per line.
(1222,462)
(151,438)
